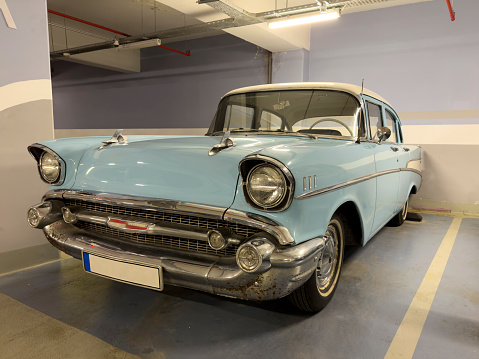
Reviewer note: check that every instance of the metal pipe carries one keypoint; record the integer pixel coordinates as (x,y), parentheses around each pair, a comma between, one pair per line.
(86,22)
(101,46)
(451,11)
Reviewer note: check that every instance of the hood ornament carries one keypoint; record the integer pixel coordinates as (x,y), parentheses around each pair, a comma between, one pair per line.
(226,142)
(117,137)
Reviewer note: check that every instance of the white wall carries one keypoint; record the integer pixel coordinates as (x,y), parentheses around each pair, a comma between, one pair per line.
(25,117)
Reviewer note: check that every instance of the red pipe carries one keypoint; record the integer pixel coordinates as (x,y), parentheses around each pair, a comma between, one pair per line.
(87,22)
(451,11)
(187,53)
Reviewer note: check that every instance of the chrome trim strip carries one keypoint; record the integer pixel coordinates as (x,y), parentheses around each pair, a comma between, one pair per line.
(341,185)
(61,163)
(254,220)
(147,203)
(288,257)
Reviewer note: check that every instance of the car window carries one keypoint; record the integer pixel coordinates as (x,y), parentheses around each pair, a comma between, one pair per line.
(239,117)
(270,122)
(318,112)
(375,119)
(391,124)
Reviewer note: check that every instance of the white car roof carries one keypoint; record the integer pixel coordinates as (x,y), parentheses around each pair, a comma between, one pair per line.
(352,89)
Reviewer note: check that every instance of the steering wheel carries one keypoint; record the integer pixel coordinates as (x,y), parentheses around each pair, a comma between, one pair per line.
(333,120)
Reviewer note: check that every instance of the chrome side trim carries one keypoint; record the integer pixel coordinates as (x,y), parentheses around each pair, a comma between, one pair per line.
(341,185)
(254,220)
(37,156)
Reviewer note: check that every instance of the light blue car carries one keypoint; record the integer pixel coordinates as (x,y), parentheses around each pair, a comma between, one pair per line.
(260,208)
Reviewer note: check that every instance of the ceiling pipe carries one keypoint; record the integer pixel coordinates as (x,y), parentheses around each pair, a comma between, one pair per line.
(107,44)
(238,17)
(85,22)
(451,11)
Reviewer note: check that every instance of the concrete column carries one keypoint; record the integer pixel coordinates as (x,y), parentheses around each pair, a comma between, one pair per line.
(291,66)
(25,117)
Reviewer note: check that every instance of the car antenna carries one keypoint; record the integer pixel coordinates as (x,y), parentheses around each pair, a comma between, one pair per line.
(362,103)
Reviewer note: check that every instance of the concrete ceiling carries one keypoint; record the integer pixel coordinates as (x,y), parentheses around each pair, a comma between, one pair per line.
(136,17)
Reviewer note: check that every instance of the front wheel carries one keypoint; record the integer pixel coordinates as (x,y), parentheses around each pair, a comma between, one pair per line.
(316,293)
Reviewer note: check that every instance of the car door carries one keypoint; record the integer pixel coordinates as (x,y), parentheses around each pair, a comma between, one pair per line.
(387,167)
(393,123)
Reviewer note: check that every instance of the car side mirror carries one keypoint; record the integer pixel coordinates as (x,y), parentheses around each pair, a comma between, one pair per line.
(383,133)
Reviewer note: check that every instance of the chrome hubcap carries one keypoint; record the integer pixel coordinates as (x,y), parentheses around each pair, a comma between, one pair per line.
(327,262)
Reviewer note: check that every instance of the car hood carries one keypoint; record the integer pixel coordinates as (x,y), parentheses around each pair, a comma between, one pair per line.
(171,168)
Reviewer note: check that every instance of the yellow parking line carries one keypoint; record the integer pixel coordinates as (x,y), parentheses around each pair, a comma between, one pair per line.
(408,333)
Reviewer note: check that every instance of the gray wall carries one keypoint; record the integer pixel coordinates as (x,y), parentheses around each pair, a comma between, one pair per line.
(25,117)
(171,91)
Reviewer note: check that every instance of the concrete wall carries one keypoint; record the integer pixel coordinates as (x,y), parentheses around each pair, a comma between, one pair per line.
(426,66)
(25,117)
(172,93)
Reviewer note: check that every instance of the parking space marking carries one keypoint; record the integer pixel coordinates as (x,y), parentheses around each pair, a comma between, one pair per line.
(409,331)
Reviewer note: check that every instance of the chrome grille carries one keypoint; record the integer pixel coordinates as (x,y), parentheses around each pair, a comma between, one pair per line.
(158,241)
(179,218)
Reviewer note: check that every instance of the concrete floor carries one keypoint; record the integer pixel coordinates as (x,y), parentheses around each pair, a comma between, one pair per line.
(57,308)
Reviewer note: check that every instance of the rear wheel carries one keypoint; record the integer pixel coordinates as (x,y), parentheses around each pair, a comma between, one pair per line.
(316,293)
(399,218)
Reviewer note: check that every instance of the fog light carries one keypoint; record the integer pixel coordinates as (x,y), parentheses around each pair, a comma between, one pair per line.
(34,217)
(248,258)
(216,240)
(68,216)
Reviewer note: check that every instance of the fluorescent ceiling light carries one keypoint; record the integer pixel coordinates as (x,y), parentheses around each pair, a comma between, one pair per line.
(330,15)
(140,44)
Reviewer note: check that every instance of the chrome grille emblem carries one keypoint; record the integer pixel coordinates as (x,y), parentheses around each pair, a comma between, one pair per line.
(127,225)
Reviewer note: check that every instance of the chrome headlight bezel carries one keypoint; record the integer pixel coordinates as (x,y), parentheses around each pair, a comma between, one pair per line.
(254,162)
(38,151)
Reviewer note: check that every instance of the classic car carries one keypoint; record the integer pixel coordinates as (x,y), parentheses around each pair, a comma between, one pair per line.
(259,208)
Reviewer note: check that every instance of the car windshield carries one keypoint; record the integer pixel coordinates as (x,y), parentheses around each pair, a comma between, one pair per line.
(315,112)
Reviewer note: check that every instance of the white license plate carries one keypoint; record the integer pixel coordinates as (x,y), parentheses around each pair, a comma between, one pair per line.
(140,274)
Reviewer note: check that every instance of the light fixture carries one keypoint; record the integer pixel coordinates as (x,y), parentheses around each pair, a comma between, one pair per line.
(329,15)
(139,44)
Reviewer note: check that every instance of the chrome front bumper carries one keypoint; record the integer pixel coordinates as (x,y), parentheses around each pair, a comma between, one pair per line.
(286,270)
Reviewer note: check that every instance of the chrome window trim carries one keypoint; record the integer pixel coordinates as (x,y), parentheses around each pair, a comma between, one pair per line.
(282,167)
(341,185)
(61,162)
(254,220)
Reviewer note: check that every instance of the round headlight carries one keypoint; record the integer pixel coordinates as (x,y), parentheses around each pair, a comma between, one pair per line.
(49,167)
(266,186)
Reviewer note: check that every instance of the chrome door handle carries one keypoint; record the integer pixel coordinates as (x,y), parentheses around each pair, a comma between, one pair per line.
(405,149)
(395,149)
